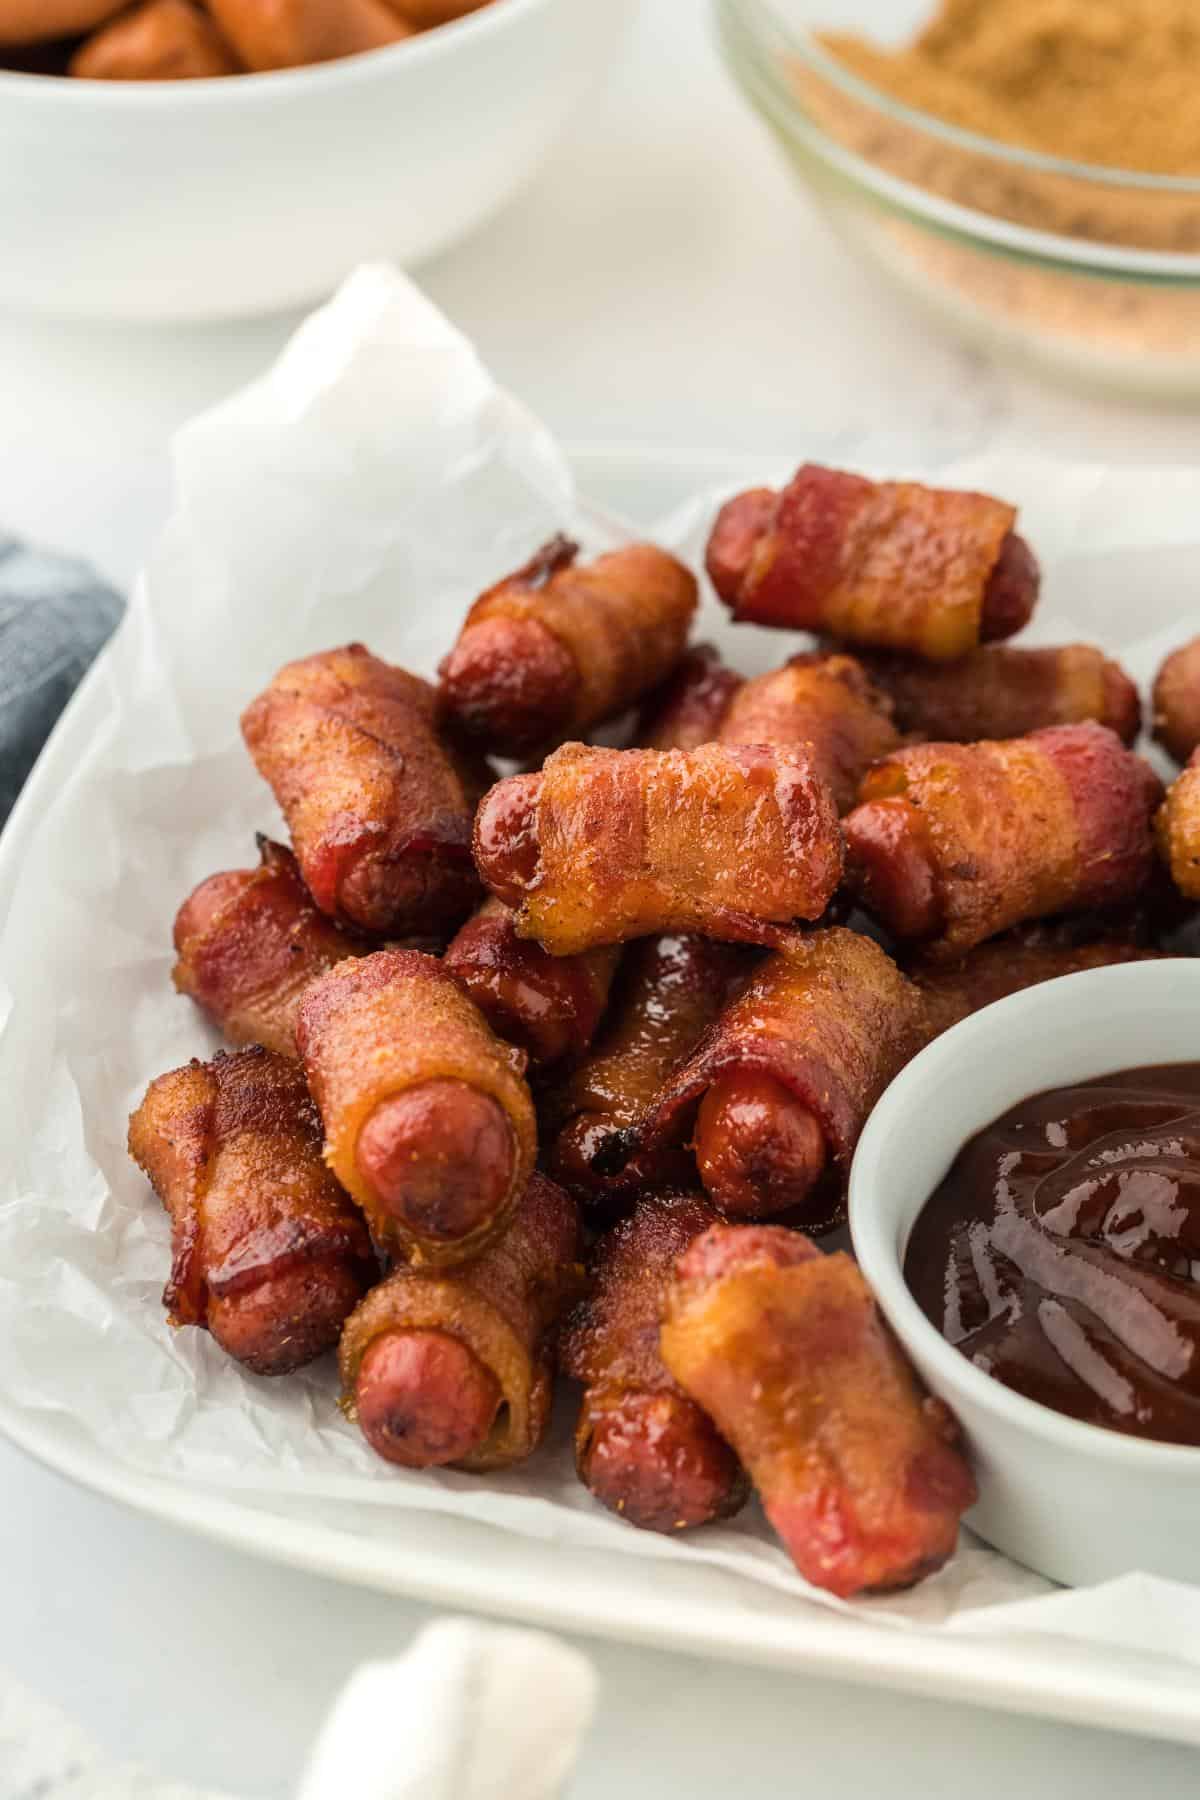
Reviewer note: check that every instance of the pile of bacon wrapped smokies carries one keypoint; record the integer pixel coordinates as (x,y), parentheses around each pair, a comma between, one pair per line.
(554,1145)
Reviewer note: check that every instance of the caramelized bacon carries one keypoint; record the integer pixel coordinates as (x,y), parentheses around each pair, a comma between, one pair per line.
(687,710)
(642,1447)
(379,808)
(826,702)
(668,992)
(560,646)
(1005,691)
(249,942)
(860,1473)
(953,843)
(428,1122)
(549,1006)
(456,1365)
(607,845)
(785,1079)
(268,1252)
(1178,828)
(891,565)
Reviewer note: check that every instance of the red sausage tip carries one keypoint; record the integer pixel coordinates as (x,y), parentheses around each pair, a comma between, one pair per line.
(889,867)
(759,1149)
(740,524)
(286,1319)
(205,904)
(1012,590)
(506,837)
(509,684)
(656,1461)
(424,1399)
(439,1158)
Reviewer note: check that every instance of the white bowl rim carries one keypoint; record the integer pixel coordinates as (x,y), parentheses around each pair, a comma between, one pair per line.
(268,84)
(874,1242)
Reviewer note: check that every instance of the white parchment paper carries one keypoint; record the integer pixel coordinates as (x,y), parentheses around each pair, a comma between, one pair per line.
(368,487)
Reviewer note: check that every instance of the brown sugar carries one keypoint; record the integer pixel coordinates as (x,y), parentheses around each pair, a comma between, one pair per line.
(1113,82)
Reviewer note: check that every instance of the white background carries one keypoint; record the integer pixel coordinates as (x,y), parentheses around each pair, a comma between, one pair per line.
(659,285)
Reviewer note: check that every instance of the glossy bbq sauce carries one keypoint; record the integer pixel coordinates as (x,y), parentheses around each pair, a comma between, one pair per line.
(1062,1251)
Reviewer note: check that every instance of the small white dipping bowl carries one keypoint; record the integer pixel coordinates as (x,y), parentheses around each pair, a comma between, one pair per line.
(1073,1501)
(211,199)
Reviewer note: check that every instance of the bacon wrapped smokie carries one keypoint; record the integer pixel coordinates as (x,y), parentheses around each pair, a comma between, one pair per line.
(786,1078)
(268,1252)
(548,1005)
(606,845)
(1004,691)
(160,40)
(456,1365)
(554,649)
(826,702)
(249,943)
(1177,702)
(1178,827)
(953,843)
(889,564)
(690,706)
(642,1447)
(428,1122)
(859,1472)
(379,808)
(668,992)
(1008,965)
(287,34)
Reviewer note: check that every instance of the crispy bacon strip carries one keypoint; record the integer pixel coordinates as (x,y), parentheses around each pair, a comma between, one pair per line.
(1004,691)
(1178,829)
(1007,965)
(268,1252)
(785,1079)
(456,1366)
(607,845)
(687,710)
(889,564)
(249,942)
(860,1473)
(1177,701)
(668,992)
(379,808)
(826,702)
(953,843)
(556,648)
(548,1005)
(642,1447)
(428,1122)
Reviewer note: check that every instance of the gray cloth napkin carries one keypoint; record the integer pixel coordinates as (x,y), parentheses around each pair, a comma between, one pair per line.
(55,615)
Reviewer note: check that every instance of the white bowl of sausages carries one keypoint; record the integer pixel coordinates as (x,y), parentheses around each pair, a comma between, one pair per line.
(1095,1312)
(332,134)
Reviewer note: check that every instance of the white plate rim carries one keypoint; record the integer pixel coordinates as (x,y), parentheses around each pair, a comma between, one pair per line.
(1042,1678)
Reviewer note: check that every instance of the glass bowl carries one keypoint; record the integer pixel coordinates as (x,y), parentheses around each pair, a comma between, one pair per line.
(1091,272)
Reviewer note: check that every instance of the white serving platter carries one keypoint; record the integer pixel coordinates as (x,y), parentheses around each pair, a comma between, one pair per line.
(703,1609)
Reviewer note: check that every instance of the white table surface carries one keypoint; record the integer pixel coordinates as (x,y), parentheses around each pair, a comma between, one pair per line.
(658,285)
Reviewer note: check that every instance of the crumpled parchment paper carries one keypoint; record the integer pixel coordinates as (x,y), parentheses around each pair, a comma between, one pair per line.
(368,487)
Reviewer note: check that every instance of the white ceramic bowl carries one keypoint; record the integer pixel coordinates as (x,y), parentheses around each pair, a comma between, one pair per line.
(1073,1501)
(210,199)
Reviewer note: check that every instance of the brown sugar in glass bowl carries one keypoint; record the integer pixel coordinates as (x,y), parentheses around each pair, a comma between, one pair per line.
(987,161)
